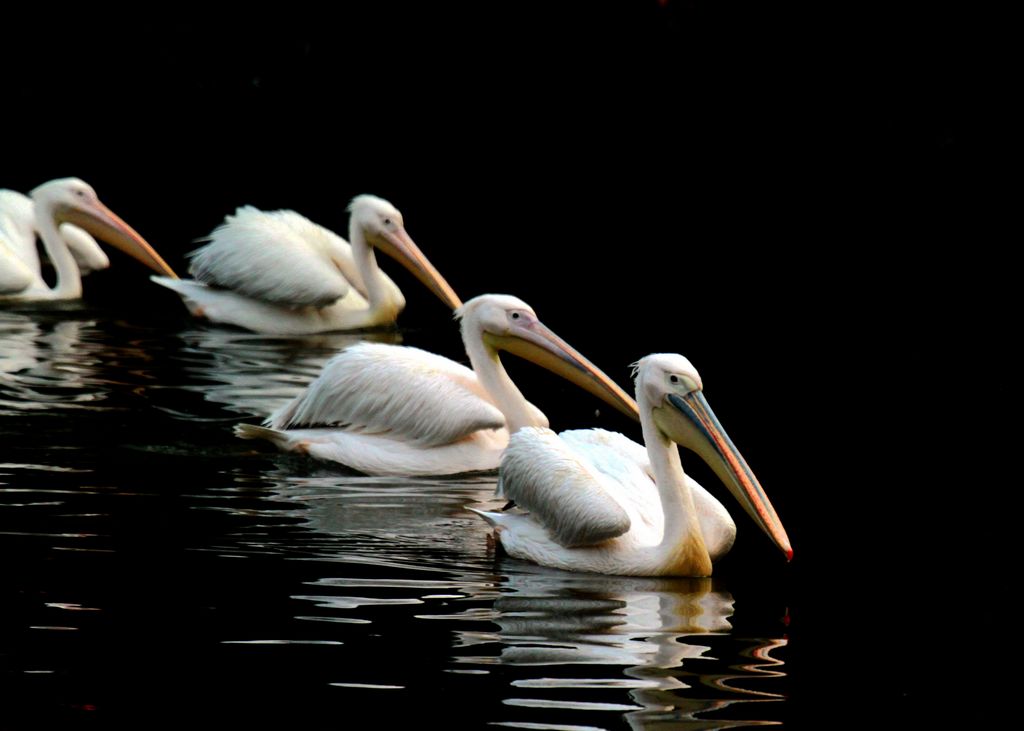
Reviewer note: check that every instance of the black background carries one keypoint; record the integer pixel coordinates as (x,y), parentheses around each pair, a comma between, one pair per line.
(797,199)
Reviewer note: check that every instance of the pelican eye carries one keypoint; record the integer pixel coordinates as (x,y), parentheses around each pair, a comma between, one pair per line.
(387,221)
(515,315)
(80,193)
(674,378)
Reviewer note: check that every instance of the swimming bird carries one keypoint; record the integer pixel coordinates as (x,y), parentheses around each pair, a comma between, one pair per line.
(63,212)
(18,232)
(393,410)
(591,500)
(277,272)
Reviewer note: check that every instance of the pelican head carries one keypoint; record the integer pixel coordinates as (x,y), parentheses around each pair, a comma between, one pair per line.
(70,200)
(672,387)
(507,323)
(383,228)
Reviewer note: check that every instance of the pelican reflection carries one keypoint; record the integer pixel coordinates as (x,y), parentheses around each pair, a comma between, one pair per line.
(254,374)
(649,651)
(47,365)
(667,637)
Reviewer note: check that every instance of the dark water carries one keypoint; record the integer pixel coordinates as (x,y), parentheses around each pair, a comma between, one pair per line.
(795,201)
(156,567)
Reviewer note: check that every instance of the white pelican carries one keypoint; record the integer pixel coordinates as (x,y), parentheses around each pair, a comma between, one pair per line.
(281,274)
(18,232)
(591,500)
(392,410)
(62,212)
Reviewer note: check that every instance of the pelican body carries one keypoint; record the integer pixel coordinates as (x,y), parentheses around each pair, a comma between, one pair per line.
(64,213)
(392,410)
(595,501)
(281,274)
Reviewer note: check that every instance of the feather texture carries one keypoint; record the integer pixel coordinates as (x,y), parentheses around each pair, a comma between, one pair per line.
(15,276)
(546,476)
(17,227)
(275,256)
(626,464)
(407,393)
(279,273)
(593,500)
(19,259)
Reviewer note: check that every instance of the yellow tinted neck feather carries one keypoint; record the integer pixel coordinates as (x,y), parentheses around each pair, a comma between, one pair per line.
(689,557)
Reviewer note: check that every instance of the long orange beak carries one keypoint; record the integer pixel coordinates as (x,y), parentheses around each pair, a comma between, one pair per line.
(104,224)
(691,423)
(536,343)
(399,246)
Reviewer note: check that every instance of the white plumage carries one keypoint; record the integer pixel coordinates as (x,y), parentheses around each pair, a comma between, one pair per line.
(278,256)
(435,401)
(591,500)
(384,409)
(71,249)
(277,272)
(18,239)
(585,511)
(20,266)
(15,276)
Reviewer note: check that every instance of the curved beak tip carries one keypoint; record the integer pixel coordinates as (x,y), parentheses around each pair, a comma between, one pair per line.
(789,555)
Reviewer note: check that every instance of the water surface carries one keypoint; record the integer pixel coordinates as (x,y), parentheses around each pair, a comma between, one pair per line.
(156,567)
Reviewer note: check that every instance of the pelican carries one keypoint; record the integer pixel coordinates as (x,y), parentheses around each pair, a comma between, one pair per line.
(18,232)
(393,410)
(591,500)
(281,274)
(63,212)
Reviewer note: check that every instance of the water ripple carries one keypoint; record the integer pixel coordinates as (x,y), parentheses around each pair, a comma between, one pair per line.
(145,517)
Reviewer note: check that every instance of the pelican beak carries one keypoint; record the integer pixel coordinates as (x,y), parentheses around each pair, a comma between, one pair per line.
(398,245)
(104,224)
(537,344)
(690,422)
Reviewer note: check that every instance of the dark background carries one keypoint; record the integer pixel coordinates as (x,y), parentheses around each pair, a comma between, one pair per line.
(798,199)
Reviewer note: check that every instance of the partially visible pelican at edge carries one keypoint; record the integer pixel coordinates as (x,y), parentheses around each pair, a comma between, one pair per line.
(63,212)
(18,235)
(279,273)
(393,410)
(592,500)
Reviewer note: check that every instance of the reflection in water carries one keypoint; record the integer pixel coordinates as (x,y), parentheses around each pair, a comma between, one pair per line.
(48,365)
(297,580)
(655,650)
(255,374)
(651,628)
(417,524)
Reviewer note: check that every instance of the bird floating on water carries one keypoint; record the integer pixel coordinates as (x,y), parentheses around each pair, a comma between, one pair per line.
(277,272)
(63,212)
(393,410)
(591,500)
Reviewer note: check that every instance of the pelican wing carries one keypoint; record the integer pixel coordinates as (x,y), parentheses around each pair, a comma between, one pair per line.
(607,450)
(563,491)
(340,252)
(17,227)
(627,467)
(407,393)
(14,275)
(88,254)
(276,256)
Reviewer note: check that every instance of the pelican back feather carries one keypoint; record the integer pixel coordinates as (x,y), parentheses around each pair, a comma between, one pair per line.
(407,393)
(542,474)
(274,256)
